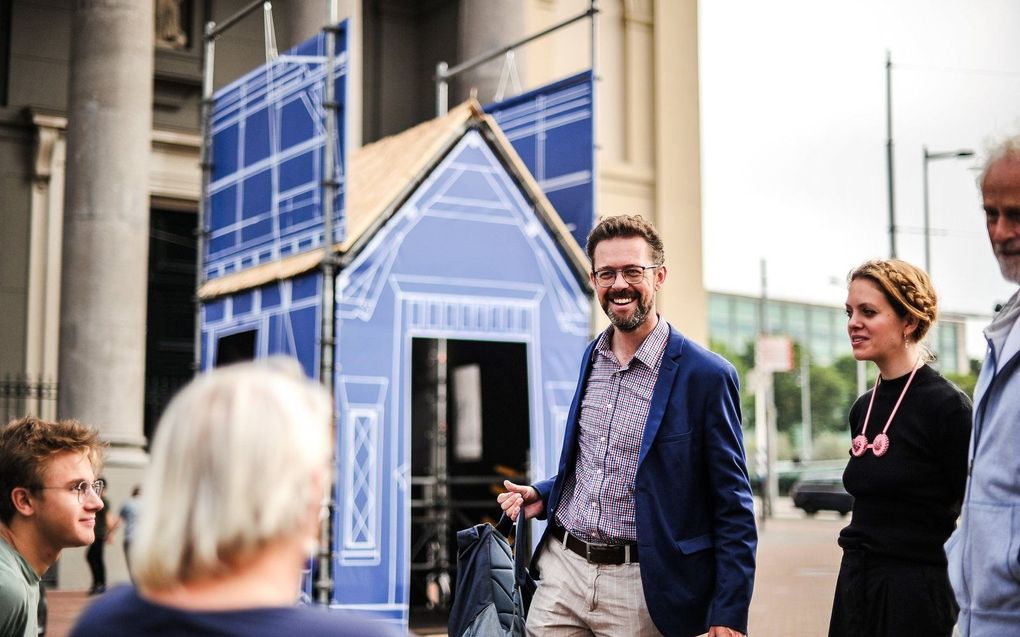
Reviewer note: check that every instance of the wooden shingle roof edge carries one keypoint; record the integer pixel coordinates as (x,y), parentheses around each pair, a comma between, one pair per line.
(384,174)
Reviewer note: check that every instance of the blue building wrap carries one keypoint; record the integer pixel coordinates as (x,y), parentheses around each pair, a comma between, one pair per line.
(464,258)
(551,128)
(465,255)
(268,135)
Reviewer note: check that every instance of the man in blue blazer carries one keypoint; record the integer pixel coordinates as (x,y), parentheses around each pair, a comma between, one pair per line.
(651,522)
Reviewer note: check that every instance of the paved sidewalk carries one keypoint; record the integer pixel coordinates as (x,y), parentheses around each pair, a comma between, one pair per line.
(797,563)
(798,559)
(64,608)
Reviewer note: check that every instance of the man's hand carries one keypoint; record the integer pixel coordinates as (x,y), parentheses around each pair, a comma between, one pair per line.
(722,631)
(518,495)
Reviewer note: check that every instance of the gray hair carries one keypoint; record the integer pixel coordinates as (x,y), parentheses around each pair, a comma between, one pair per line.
(1009,147)
(238,460)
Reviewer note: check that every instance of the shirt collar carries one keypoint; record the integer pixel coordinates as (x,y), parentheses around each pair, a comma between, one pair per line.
(650,350)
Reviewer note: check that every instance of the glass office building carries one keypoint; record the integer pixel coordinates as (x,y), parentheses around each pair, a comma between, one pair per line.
(733,320)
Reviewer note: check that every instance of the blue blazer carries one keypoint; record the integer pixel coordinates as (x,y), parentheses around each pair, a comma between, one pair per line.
(694,513)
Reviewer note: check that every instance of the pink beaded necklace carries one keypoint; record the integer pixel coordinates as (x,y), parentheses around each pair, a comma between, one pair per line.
(881,444)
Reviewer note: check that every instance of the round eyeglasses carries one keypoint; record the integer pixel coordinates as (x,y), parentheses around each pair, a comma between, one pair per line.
(82,488)
(632,274)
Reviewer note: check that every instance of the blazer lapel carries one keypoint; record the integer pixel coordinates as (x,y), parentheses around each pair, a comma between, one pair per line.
(663,387)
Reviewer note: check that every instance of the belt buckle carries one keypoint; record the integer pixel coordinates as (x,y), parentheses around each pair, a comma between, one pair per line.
(603,548)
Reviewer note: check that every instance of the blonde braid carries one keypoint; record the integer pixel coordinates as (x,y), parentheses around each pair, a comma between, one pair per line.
(907,287)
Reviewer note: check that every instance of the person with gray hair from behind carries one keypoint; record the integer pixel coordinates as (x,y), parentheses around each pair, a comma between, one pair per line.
(984,552)
(232,502)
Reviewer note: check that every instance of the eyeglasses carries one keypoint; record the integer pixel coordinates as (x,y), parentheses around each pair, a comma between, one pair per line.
(632,274)
(83,487)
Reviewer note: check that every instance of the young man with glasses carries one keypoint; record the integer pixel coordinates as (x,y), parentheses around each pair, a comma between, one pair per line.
(651,524)
(49,499)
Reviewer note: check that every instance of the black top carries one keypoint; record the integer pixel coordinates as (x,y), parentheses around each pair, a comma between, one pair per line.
(907,501)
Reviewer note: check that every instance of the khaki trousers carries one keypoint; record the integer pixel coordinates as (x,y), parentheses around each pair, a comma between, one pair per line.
(578,599)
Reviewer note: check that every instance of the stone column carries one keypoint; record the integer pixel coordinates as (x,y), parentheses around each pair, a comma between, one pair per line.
(678,165)
(106,223)
(306,18)
(486,25)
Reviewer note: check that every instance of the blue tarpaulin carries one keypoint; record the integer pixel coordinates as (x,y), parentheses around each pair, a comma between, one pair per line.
(551,129)
(465,251)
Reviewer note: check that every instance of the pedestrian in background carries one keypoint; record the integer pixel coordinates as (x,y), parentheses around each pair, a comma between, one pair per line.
(95,553)
(907,467)
(232,503)
(128,518)
(49,500)
(651,522)
(984,552)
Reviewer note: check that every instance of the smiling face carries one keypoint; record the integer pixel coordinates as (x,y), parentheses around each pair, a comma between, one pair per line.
(876,331)
(1000,191)
(60,520)
(630,307)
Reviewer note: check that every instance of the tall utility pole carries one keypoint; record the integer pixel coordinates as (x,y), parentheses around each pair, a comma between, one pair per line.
(805,403)
(928,156)
(764,410)
(889,154)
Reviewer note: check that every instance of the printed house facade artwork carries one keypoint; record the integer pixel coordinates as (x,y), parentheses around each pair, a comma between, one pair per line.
(461,305)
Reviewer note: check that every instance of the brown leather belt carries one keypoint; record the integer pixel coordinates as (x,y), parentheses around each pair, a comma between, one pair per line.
(596,553)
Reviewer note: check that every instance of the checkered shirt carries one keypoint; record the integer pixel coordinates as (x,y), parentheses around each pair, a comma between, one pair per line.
(598,499)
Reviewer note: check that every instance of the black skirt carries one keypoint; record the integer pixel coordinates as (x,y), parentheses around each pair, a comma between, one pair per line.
(880,596)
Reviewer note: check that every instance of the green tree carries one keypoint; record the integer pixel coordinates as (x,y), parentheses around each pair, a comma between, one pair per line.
(967,381)
(742,363)
(831,393)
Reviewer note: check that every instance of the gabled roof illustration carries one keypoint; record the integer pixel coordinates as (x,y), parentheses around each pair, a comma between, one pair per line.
(382,175)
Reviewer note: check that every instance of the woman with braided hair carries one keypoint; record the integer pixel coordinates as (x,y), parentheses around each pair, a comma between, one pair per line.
(908,464)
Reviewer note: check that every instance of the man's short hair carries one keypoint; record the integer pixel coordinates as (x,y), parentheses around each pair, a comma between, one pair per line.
(233,462)
(27,444)
(1009,147)
(625,226)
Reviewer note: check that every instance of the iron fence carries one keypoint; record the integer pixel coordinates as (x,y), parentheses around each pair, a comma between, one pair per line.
(22,395)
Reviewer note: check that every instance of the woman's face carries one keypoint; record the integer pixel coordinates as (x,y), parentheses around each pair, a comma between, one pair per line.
(876,331)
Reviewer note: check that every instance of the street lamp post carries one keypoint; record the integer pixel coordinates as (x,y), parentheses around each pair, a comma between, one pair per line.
(930,156)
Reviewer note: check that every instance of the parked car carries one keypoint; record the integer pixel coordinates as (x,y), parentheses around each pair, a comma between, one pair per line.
(821,494)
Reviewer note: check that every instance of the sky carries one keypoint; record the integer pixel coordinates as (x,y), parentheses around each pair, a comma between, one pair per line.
(793,136)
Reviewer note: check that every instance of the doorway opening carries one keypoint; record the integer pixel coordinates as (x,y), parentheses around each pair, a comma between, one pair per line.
(470,430)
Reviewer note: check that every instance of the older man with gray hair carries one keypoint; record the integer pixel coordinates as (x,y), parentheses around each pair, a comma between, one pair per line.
(231,501)
(984,552)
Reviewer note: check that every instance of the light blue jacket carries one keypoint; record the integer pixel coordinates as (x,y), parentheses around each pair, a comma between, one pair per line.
(984,552)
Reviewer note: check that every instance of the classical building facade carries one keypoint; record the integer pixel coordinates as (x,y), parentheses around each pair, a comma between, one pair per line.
(99,160)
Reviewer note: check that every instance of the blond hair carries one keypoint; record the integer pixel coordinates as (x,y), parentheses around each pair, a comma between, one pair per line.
(28,444)
(234,463)
(907,288)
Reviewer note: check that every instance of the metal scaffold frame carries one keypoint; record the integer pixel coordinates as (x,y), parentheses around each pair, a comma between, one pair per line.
(324,582)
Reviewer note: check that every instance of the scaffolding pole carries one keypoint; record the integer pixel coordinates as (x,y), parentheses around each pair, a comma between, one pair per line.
(444,72)
(324,582)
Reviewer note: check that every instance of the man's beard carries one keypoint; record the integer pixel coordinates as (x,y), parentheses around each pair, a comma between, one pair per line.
(627,324)
(1009,264)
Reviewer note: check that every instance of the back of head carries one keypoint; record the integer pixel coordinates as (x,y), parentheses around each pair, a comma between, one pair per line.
(907,288)
(622,227)
(238,459)
(28,443)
